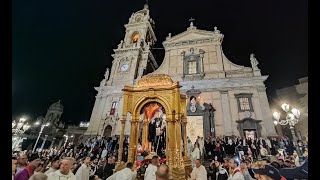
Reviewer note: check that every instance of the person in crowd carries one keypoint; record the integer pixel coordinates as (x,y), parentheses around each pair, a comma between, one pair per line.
(162,172)
(152,168)
(21,162)
(296,159)
(234,170)
(128,173)
(108,168)
(212,173)
(28,171)
(244,170)
(83,172)
(64,172)
(263,151)
(199,172)
(195,153)
(190,147)
(222,173)
(93,168)
(55,164)
(267,172)
(14,166)
(101,164)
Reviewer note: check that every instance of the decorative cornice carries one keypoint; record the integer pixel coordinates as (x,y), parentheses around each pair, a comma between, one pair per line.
(189,42)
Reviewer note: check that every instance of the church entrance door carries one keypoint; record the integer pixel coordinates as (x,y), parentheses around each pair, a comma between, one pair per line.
(250,133)
(107,131)
(194,127)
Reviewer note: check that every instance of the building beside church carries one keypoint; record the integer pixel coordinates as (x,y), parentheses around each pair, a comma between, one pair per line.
(223,98)
(296,96)
(52,134)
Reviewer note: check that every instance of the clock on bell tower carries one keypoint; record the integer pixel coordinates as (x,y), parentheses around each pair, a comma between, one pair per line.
(133,57)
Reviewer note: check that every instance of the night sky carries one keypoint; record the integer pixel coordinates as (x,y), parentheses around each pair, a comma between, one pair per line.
(61,48)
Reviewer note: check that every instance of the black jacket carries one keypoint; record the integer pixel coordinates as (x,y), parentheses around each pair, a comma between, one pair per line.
(108,170)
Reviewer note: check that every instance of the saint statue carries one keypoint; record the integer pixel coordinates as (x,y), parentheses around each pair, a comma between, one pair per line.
(155,129)
(193,103)
(254,62)
(106,75)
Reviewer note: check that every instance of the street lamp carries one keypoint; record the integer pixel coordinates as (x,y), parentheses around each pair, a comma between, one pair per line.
(292,118)
(67,137)
(18,128)
(40,119)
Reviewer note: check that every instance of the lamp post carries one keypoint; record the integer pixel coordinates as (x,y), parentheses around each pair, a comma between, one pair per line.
(18,128)
(67,137)
(42,127)
(292,118)
(44,141)
(52,142)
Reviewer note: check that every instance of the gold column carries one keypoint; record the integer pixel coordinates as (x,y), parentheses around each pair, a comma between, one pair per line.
(136,140)
(145,129)
(184,120)
(132,143)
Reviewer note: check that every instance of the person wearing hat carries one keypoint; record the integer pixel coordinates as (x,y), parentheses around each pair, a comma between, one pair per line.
(28,171)
(268,172)
(222,173)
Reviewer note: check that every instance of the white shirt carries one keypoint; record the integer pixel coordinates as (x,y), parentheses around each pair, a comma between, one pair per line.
(236,176)
(199,173)
(58,176)
(196,153)
(83,172)
(124,174)
(150,173)
(104,153)
(50,170)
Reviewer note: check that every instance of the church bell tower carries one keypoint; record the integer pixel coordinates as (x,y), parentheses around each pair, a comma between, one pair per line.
(133,58)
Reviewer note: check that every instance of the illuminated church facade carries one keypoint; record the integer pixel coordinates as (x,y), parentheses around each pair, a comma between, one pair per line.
(223,98)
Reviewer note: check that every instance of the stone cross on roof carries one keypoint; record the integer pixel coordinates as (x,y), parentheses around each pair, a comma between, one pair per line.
(191,21)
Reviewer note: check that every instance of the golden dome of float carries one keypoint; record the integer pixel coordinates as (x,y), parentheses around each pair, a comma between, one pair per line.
(152,80)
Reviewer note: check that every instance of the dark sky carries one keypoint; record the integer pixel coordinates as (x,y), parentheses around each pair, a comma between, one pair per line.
(61,48)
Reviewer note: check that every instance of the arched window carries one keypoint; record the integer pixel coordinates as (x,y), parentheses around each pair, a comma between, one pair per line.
(135,38)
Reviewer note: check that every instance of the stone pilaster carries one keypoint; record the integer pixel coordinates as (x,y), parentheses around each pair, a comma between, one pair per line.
(226,113)
(267,121)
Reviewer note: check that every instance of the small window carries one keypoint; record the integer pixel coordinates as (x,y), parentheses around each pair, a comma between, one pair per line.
(113,108)
(192,67)
(244,102)
(135,38)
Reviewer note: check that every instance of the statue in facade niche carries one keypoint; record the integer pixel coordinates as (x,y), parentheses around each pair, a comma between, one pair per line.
(254,62)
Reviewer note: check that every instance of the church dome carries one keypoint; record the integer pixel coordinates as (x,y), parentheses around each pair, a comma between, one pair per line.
(57,106)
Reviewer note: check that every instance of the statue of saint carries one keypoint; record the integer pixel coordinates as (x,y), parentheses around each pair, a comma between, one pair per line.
(106,75)
(156,132)
(254,62)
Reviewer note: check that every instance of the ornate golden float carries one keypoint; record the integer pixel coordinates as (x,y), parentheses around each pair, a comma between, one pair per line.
(161,89)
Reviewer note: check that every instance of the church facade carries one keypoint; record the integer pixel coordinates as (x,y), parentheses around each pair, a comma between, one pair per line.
(223,98)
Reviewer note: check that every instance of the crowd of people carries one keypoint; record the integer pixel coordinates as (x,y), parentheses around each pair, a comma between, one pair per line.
(95,159)
(222,147)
